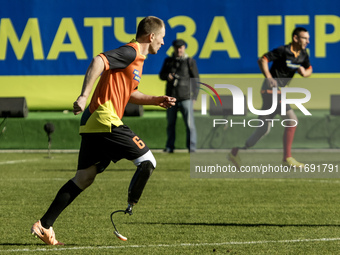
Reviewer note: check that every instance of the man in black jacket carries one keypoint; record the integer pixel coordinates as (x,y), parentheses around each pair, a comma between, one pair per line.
(177,71)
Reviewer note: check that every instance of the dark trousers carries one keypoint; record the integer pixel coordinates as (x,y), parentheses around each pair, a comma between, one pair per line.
(186,108)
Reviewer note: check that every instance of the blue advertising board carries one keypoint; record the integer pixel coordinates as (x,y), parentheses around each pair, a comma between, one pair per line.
(46,46)
(60,37)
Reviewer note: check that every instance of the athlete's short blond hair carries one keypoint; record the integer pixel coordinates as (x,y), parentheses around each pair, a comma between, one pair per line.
(149,25)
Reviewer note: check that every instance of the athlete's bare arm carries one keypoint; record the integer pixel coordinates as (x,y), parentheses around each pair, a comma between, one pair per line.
(263,64)
(138,97)
(93,72)
(305,72)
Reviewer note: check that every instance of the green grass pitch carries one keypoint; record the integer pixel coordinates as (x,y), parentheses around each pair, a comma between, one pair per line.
(176,214)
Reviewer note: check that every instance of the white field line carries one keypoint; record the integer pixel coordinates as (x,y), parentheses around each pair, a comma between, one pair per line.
(60,248)
(17,161)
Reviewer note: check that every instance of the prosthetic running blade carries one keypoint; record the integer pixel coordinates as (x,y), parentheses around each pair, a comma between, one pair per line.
(116,232)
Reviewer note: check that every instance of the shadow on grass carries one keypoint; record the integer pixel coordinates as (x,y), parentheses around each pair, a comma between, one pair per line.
(34,245)
(118,169)
(21,244)
(236,224)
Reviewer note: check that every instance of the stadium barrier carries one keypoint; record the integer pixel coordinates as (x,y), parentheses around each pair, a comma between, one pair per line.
(321,130)
(13,107)
(133,110)
(335,105)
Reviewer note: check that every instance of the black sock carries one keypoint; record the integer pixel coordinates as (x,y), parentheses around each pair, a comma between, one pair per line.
(64,197)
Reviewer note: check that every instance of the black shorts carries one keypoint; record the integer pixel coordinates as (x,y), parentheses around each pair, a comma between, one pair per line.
(101,148)
(267,102)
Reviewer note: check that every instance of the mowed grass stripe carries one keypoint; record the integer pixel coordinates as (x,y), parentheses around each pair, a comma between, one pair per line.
(173,245)
(176,214)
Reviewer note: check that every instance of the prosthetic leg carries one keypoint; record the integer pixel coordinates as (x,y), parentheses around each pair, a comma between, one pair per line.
(139,180)
(137,184)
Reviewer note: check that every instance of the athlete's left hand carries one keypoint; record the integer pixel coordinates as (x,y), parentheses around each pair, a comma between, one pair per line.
(166,101)
(79,105)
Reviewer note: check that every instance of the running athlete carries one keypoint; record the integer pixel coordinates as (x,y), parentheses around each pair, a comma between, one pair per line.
(104,136)
(287,60)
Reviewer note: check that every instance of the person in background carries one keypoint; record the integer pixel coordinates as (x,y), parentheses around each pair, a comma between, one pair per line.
(177,71)
(287,60)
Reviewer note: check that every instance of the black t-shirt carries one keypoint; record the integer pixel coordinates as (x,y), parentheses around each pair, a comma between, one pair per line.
(121,57)
(285,64)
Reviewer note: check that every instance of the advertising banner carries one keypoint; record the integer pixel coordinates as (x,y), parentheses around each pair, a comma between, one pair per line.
(40,40)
